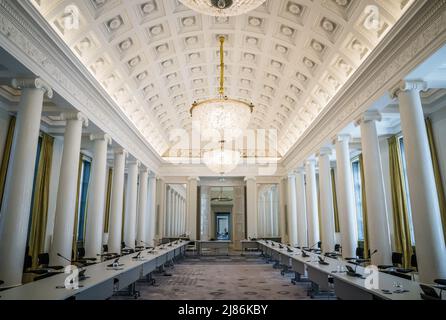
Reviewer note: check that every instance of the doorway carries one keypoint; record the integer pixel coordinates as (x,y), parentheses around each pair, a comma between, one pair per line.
(223,226)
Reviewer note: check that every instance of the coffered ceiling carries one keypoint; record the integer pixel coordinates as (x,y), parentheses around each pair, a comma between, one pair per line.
(155,57)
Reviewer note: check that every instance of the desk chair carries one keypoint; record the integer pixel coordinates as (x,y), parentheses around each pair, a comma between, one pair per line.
(44,261)
(105,247)
(429,293)
(192,247)
(441,285)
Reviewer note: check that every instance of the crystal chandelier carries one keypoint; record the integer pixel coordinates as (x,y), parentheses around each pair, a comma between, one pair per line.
(222,7)
(222,160)
(224,116)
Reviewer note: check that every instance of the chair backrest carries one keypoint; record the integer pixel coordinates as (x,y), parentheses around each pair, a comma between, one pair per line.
(429,293)
(397,258)
(413,261)
(319,244)
(105,247)
(43,259)
(360,253)
(80,252)
(28,262)
(337,247)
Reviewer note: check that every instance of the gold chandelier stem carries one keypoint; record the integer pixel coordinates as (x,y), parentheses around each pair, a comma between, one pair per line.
(222,67)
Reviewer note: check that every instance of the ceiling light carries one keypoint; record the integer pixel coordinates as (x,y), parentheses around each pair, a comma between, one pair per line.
(227,116)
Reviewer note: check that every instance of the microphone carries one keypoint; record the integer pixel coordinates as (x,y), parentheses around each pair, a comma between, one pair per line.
(137,256)
(66,259)
(82,269)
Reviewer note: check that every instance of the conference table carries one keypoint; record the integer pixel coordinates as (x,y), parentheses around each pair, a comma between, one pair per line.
(102,280)
(346,287)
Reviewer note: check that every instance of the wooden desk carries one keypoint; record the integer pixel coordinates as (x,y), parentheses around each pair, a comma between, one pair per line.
(221,245)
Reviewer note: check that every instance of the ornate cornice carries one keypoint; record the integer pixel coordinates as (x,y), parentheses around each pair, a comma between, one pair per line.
(29,38)
(419,33)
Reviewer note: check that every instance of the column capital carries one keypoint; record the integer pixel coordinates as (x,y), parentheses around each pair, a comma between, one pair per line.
(136,163)
(325,152)
(152,175)
(343,138)
(369,116)
(29,83)
(120,151)
(193,178)
(299,170)
(292,175)
(101,136)
(404,86)
(250,178)
(310,162)
(143,169)
(67,116)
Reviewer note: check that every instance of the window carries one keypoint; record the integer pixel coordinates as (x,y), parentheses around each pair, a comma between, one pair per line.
(358,197)
(85,180)
(406,187)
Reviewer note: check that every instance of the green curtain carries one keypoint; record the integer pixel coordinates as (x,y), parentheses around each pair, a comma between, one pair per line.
(437,173)
(403,243)
(6,157)
(40,202)
(335,202)
(364,208)
(76,213)
(107,200)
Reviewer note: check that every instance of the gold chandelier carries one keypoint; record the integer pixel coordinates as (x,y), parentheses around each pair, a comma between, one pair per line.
(222,115)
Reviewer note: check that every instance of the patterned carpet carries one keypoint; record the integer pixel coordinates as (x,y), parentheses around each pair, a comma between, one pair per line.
(222,278)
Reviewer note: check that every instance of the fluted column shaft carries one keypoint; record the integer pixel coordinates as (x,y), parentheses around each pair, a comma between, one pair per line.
(292,208)
(66,195)
(142,207)
(251,205)
(312,203)
(326,199)
(15,213)
(150,239)
(429,238)
(96,196)
(377,220)
(131,204)
(346,201)
(117,202)
(301,208)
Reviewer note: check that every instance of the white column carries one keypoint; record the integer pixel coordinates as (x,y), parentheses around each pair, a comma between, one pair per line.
(15,213)
(183,220)
(192,207)
(428,232)
(261,214)
(150,238)
(346,201)
(312,204)
(96,196)
(377,220)
(292,210)
(117,201)
(66,194)
(251,206)
(168,214)
(175,214)
(131,200)
(327,208)
(301,208)
(142,207)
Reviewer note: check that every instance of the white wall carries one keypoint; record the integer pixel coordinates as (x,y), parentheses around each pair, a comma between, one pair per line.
(54,184)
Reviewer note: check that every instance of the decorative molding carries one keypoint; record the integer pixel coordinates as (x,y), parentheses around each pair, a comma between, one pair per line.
(414,38)
(27,37)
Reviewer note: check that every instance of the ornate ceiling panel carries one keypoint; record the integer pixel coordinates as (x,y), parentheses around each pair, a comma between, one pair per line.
(155,57)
